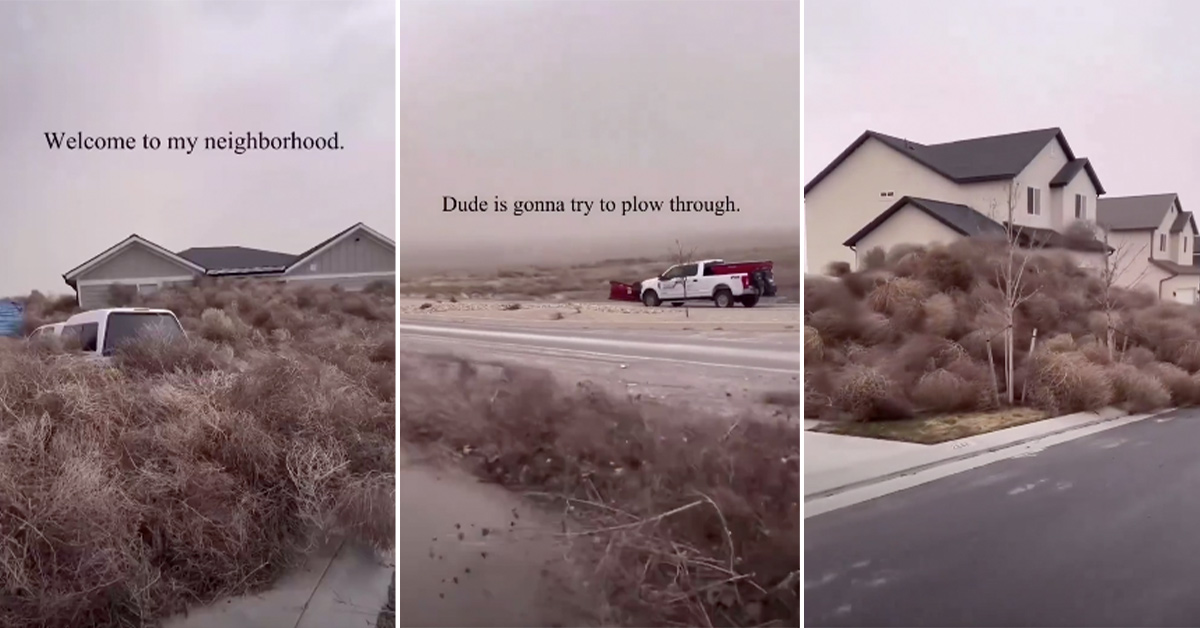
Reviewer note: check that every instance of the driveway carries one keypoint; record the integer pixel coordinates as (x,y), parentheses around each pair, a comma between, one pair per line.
(1098,531)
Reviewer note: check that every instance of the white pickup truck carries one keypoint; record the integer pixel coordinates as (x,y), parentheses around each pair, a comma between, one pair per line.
(99,332)
(724,283)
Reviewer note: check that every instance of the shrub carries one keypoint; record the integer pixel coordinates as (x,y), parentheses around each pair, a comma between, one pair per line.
(1184,390)
(1137,390)
(943,391)
(865,394)
(1067,382)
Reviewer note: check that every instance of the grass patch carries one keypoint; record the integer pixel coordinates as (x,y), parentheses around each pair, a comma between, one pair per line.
(938,429)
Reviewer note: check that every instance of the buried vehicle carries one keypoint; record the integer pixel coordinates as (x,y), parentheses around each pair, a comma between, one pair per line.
(724,283)
(99,332)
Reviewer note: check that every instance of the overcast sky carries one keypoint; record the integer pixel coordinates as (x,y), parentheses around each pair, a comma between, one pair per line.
(589,99)
(1122,79)
(190,68)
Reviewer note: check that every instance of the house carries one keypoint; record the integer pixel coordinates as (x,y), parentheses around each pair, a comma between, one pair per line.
(884,190)
(1155,243)
(352,258)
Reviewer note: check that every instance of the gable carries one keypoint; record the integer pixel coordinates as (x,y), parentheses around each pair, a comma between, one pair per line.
(358,250)
(976,160)
(137,261)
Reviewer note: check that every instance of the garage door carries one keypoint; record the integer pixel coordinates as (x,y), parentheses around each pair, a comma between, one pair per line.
(1187,295)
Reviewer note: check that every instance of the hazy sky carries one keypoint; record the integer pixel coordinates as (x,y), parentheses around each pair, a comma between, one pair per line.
(589,99)
(1122,79)
(190,68)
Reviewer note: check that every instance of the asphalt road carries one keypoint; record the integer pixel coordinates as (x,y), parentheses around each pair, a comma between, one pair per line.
(1099,531)
(769,352)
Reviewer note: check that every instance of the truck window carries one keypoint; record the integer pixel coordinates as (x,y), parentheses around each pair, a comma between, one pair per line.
(128,326)
(688,270)
(674,272)
(84,334)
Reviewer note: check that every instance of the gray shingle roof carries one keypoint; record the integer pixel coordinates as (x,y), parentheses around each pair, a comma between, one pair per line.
(965,221)
(1181,221)
(1068,172)
(960,218)
(235,257)
(1133,213)
(1176,269)
(974,160)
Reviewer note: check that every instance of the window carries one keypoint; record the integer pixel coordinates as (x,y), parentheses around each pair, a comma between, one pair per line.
(1033,199)
(127,326)
(1080,207)
(312,267)
(1162,241)
(85,334)
(147,288)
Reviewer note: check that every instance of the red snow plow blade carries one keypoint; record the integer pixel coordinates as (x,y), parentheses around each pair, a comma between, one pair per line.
(618,291)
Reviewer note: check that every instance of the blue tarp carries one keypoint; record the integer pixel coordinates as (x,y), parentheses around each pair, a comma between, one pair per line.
(12,319)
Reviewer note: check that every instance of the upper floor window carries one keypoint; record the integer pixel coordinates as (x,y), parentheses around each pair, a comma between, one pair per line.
(1080,207)
(1033,201)
(1162,241)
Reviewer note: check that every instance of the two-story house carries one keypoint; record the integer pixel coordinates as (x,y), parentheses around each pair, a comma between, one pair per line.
(883,191)
(1154,242)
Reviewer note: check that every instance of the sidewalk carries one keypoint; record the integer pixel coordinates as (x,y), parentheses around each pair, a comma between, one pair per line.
(342,584)
(834,463)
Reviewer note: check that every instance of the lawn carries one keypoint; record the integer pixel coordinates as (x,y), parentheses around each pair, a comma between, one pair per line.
(940,428)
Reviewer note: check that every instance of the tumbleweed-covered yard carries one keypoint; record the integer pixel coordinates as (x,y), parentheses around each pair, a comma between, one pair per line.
(188,471)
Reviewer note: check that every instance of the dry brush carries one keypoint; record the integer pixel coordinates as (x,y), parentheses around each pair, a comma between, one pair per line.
(921,330)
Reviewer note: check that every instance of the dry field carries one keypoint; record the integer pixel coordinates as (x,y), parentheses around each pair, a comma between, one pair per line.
(908,338)
(192,470)
(585,280)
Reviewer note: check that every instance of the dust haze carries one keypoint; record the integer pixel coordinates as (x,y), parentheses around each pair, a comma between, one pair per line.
(190,68)
(561,100)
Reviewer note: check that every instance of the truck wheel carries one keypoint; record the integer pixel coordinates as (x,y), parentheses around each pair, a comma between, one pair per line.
(676,303)
(650,299)
(723,298)
(750,300)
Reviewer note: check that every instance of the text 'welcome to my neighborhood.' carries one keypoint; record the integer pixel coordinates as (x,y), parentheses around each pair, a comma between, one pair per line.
(237,144)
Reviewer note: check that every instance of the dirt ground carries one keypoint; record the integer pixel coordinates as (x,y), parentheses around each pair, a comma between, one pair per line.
(617,315)
(579,278)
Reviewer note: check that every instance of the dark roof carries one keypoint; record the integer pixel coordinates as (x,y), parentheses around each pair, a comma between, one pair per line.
(1067,173)
(1133,213)
(1037,237)
(960,218)
(1176,269)
(965,221)
(217,258)
(993,158)
(1182,221)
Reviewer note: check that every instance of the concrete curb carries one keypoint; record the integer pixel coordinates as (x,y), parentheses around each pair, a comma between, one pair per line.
(836,481)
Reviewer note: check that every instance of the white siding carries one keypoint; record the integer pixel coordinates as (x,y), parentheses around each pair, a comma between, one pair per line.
(907,226)
(849,198)
(1132,258)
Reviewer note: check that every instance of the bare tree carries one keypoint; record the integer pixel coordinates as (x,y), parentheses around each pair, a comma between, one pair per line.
(1010,275)
(1115,272)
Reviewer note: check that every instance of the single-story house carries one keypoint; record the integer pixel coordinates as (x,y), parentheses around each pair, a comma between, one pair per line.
(352,258)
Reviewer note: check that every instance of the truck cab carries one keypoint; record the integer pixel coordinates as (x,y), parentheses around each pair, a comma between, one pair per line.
(99,332)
